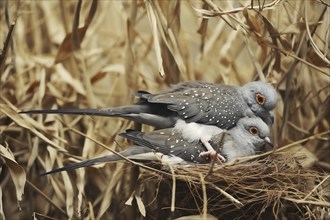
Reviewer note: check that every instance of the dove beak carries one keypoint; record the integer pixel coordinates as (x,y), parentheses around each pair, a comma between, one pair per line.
(267,140)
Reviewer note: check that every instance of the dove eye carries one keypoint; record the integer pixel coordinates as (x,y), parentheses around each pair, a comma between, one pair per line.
(253,130)
(261,99)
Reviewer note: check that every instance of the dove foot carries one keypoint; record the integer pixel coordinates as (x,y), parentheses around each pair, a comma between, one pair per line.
(213,155)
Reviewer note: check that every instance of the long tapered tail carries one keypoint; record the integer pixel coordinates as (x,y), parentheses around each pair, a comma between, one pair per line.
(133,152)
(109,112)
(86,163)
(139,113)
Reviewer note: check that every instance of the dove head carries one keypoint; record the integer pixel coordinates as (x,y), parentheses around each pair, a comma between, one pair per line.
(254,131)
(261,98)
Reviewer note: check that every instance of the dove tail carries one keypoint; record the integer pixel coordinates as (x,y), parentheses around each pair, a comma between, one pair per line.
(130,153)
(140,113)
(110,112)
(86,163)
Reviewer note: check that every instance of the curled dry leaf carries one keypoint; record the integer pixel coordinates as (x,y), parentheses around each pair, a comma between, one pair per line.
(17,172)
(66,47)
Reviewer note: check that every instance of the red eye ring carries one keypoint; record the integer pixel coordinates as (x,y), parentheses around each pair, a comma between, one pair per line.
(261,99)
(253,130)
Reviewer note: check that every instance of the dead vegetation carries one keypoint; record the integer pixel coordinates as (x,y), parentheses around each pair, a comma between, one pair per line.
(90,54)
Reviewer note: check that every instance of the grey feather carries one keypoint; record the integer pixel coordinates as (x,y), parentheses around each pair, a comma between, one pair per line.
(129,152)
(169,142)
(200,102)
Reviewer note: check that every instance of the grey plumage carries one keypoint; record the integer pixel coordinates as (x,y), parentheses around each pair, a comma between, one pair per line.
(129,153)
(189,105)
(195,101)
(242,140)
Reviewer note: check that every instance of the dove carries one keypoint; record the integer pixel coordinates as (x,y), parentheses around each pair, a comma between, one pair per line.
(190,105)
(244,139)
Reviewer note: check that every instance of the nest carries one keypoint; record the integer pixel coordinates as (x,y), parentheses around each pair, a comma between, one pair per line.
(266,187)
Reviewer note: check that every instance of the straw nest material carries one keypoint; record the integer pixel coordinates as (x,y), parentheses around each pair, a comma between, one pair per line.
(96,54)
(272,186)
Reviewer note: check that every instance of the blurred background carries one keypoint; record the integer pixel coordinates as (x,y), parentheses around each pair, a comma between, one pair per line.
(96,54)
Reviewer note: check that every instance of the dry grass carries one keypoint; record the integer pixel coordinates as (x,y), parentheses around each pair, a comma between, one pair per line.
(97,53)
